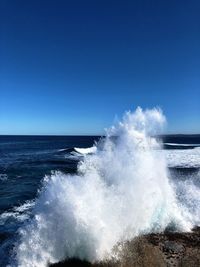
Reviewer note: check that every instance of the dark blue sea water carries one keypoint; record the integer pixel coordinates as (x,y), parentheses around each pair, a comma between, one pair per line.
(25,160)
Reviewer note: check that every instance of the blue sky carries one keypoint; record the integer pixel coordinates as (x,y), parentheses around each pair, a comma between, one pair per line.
(69,67)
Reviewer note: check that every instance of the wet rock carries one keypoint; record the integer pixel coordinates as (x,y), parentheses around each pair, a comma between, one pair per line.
(169,249)
(173,247)
(191,259)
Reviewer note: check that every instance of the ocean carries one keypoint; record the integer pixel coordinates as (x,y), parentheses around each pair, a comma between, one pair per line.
(66,196)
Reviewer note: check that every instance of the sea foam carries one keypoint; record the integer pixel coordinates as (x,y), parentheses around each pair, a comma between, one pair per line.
(120,191)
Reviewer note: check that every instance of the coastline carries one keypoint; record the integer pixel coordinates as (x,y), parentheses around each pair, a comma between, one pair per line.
(168,249)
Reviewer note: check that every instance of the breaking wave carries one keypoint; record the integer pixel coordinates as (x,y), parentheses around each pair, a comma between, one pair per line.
(120,191)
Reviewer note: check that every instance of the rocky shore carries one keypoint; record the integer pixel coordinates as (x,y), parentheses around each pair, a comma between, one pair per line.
(169,249)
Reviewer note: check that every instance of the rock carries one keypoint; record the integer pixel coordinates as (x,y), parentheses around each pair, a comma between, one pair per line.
(173,247)
(140,253)
(167,249)
(191,259)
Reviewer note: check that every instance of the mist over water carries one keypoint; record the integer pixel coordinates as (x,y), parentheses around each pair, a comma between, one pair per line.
(120,191)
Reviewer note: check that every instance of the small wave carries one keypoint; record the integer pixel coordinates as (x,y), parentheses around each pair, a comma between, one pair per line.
(19,213)
(180,146)
(3,176)
(68,150)
(77,153)
(177,144)
(24,207)
(85,151)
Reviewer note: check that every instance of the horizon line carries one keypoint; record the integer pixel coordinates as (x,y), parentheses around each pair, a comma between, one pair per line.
(62,135)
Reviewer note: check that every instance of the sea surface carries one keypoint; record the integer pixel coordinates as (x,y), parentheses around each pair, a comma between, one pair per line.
(26,160)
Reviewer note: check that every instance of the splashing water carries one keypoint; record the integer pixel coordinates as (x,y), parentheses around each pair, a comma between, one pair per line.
(119,192)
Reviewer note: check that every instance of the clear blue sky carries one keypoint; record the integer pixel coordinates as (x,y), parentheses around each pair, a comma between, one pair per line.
(68,67)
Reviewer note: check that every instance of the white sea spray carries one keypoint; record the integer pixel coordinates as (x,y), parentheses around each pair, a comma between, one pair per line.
(120,191)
